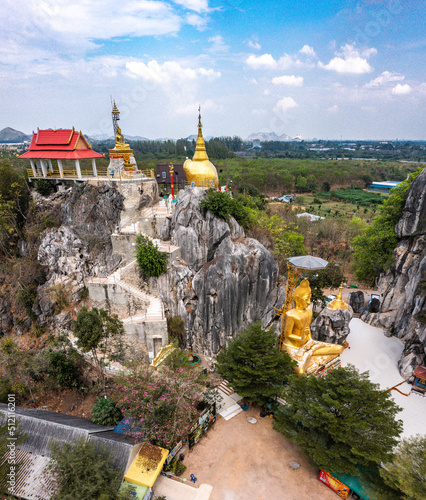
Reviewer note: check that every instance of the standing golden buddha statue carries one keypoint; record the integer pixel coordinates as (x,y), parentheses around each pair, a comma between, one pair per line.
(309,354)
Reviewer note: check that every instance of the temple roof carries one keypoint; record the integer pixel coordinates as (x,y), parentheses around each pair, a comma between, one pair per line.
(59,144)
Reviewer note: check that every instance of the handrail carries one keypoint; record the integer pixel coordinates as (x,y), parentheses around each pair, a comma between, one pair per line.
(88,174)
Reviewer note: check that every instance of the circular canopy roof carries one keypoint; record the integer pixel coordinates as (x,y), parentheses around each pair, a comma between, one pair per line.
(308,262)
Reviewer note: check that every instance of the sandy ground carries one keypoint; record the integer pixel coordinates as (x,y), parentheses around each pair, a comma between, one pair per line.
(250,461)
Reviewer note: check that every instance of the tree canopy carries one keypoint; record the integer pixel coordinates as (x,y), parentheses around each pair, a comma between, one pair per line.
(100,334)
(162,403)
(341,422)
(407,469)
(254,366)
(82,470)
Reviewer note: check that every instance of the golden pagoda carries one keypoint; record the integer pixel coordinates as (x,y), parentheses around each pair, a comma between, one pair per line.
(338,302)
(122,154)
(200,169)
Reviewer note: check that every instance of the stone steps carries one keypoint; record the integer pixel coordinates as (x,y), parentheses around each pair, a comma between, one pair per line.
(231,412)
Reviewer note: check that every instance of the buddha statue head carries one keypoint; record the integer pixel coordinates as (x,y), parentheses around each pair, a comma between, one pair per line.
(302,295)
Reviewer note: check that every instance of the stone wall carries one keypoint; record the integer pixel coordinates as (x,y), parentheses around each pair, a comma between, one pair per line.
(116,300)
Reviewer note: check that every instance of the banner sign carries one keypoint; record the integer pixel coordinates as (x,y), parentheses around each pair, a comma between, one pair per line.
(203,424)
(334,484)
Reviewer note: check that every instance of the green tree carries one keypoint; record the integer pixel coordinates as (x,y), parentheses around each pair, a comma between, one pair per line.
(82,470)
(254,365)
(407,469)
(151,261)
(14,200)
(342,422)
(373,248)
(100,334)
(105,411)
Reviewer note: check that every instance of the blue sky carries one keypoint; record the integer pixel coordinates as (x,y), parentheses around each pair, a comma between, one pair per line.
(336,69)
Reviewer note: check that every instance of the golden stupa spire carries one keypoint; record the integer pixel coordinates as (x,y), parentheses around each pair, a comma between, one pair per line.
(338,302)
(200,147)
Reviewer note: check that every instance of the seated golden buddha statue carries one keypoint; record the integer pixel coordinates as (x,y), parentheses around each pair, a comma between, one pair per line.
(309,354)
(119,139)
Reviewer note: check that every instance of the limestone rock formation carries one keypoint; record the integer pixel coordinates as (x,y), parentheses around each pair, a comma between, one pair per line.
(403,309)
(332,325)
(82,244)
(357,301)
(223,282)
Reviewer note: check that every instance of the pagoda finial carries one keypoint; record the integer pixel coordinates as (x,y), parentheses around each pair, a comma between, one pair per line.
(200,133)
(115,117)
(338,302)
(200,147)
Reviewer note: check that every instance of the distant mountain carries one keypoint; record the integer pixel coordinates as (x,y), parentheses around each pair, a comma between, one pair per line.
(164,139)
(268,136)
(104,137)
(11,135)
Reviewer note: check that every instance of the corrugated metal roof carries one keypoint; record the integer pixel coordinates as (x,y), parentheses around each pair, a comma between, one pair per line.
(42,427)
(32,481)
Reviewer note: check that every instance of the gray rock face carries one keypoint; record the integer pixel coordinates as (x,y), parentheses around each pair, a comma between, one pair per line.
(82,245)
(223,283)
(404,299)
(357,301)
(332,325)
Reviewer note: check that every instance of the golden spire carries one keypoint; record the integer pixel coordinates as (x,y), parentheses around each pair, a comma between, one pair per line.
(200,147)
(338,302)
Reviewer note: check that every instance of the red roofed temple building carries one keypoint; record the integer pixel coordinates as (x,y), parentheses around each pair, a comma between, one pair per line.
(59,145)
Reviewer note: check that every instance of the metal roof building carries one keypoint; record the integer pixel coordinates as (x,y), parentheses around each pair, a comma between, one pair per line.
(42,427)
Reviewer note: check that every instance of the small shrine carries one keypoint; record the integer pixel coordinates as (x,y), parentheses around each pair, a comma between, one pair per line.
(121,157)
(200,170)
(59,145)
(419,384)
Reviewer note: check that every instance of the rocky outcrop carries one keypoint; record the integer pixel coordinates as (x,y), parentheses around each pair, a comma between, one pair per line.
(357,301)
(332,325)
(223,282)
(403,307)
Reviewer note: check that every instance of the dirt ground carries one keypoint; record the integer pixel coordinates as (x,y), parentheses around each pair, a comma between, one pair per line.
(251,461)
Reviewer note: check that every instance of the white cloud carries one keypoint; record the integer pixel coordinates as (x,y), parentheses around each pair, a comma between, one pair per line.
(170,72)
(197,5)
(296,81)
(198,21)
(218,45)
(333,109)
(401,89)
(284,105)
(307,50)
(254,45)
(351,61)
(384,78)
(266,61)
(263,61)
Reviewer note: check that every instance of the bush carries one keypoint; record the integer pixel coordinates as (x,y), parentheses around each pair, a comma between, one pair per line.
(83,470)
(63,369)
(105,412)
(44,187)
(151,261)
(223,206)
(5,389)
(175,466)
